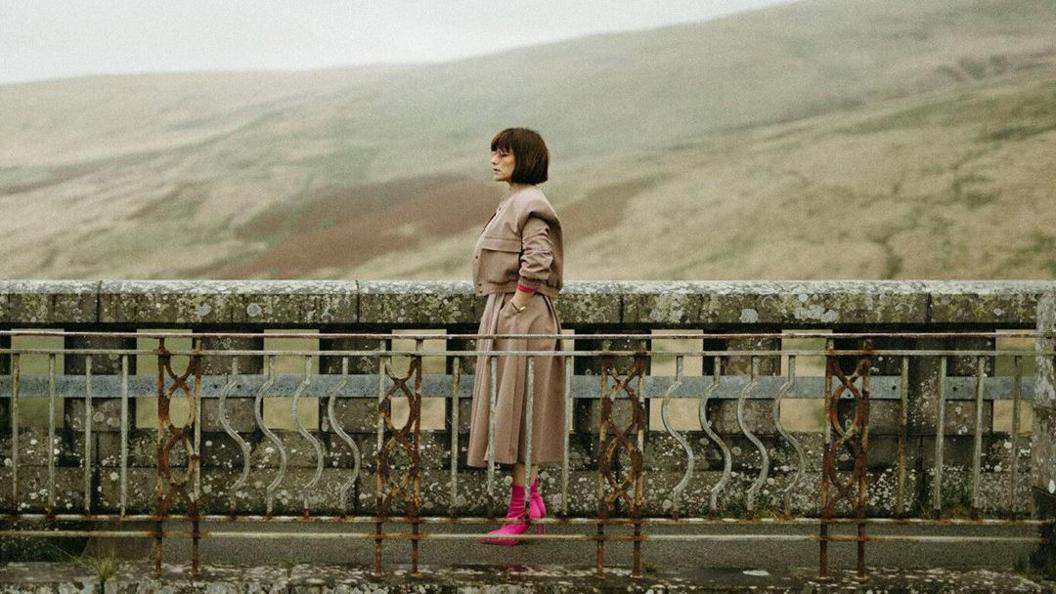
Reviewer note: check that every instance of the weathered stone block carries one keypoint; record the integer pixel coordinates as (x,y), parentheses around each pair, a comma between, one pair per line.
(885,416)
(47,302)
(758,416)
(742,364)
(783,456)
(228,302)
(33,447)
(816,303)
(357,415)
(957,450)
(221,450)
(587,414)
(1011,303)
(68,448)
(732,498)
(424,304)
(106,414)
(663,452)
(664,303)
(360,415)
(167,302)
(300,451)
(218,490)
(238,412)
(142,449)
(434,451)
(33,489)
(960,417)
(746,455)
(584,303)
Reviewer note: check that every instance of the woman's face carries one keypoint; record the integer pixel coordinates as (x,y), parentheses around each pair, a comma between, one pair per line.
(502,165)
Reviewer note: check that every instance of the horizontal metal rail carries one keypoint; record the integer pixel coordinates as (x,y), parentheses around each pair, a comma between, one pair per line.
(441,386)
(598,336)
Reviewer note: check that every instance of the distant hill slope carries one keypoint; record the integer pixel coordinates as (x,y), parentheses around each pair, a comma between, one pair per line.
(160,176)
(954,184)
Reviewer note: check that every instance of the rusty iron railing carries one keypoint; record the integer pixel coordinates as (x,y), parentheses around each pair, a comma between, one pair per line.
(849,379)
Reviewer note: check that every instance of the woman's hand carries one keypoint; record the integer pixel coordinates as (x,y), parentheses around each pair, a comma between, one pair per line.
(520,299)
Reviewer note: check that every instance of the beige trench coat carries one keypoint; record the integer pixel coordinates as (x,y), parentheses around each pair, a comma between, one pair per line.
(520,244)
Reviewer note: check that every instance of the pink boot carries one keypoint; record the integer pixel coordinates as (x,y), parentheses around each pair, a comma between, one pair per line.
(536,507)
(515,510)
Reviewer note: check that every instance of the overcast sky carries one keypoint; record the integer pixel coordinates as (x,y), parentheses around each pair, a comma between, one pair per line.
(42,39)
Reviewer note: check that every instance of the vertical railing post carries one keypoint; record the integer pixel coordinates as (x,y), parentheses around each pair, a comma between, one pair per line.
(461,368)
(921,428)
(1043,448)
(98,434)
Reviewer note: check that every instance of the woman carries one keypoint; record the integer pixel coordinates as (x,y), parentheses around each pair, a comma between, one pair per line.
(518,264)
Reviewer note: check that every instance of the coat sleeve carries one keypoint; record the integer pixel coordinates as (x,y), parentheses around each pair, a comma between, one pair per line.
(536,253)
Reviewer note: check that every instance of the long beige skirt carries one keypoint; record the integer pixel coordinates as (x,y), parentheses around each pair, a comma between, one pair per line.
(548,407)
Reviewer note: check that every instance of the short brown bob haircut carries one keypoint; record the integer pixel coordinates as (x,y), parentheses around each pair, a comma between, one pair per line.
(531,158)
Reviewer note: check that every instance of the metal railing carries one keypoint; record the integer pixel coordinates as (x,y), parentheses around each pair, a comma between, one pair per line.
(851,383)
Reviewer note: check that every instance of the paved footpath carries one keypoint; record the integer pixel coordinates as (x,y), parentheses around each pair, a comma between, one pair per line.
(330,565)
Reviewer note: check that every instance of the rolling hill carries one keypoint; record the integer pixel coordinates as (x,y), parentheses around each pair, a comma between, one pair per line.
(819,139)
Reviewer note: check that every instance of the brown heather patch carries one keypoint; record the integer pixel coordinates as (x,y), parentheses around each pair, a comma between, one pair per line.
(602,207)
(340,227)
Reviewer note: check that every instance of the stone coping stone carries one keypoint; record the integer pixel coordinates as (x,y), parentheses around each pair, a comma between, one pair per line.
(228,302)
(137,577)
(418,303)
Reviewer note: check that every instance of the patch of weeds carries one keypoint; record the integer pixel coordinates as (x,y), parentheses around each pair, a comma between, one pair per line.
(104,566)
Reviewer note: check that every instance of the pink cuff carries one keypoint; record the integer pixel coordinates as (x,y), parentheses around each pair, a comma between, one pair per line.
(524,289)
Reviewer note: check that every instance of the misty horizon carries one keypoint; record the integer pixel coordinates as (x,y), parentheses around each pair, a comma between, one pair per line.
(52,41)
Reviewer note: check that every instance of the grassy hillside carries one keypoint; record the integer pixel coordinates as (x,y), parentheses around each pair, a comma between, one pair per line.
(955,184)
(734,129)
